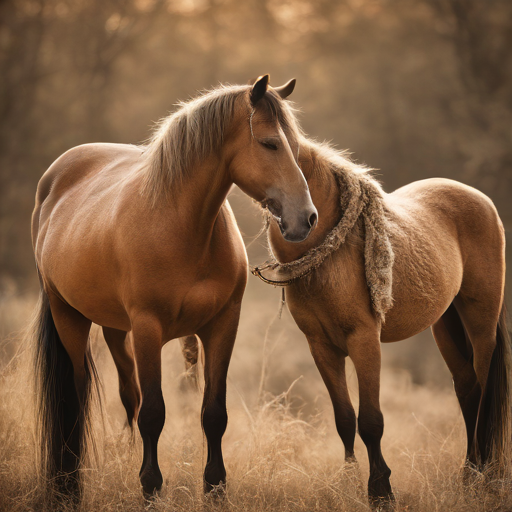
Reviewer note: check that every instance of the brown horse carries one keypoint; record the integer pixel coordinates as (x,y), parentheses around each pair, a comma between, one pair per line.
(142,240)
(383,267)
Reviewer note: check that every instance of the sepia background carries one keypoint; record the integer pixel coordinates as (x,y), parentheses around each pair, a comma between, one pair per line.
(412,88)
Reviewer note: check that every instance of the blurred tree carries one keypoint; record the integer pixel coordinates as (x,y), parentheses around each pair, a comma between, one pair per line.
(22,30)
(481,34)
(57,62)
(417,89)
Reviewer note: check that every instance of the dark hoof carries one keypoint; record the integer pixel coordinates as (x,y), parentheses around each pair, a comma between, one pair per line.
(380,495)
(383,503)
(350,459)
(214,492)
(151,483)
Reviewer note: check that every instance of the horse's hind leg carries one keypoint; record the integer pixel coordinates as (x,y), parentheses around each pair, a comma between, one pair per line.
(147,344)
(218,338)
(480,318)
(330,361)
(452,342)
(73,383)
(120,346)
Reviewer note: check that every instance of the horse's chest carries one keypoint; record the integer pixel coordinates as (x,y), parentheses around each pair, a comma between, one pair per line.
(197,306)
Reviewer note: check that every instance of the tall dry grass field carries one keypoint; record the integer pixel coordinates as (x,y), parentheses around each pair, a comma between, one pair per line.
(282,452)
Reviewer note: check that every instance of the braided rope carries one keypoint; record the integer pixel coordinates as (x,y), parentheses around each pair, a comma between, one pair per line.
(359,196)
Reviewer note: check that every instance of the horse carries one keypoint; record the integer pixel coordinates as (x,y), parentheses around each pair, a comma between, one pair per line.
(141,240)
(382,267)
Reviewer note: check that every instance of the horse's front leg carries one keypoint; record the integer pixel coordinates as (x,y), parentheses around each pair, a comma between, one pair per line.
(330,361)
(364,350)
(147,344)
(218,338)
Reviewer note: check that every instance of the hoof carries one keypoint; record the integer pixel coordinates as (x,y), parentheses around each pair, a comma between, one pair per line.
(151,483)
(214,492)
(380,495)
(382,503)
(351,460)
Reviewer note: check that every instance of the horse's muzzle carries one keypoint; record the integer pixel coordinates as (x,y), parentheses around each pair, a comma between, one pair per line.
(302,226)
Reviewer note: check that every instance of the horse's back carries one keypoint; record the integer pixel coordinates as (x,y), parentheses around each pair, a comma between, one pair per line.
(71,172)
(456,211)
(80,162)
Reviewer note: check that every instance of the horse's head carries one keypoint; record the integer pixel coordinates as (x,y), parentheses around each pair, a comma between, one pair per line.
(263,149)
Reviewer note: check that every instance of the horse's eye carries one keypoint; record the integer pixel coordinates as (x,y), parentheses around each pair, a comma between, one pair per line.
(269,145)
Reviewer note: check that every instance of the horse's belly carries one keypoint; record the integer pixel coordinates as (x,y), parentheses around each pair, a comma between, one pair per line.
(419,306)
(181,306)
(427,272)
(402,324)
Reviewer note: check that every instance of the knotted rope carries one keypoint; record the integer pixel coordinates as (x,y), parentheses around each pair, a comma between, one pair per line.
(359,196)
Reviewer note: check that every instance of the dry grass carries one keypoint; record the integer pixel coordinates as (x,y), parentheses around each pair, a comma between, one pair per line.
(281,449)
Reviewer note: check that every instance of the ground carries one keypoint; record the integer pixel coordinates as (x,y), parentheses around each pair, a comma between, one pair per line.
(281,449)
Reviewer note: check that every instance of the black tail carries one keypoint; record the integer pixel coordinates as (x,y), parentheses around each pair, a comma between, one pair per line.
(494,432)
(63,416)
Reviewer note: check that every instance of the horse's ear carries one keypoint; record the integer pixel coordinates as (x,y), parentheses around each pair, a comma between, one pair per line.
(285,90)
(259,89)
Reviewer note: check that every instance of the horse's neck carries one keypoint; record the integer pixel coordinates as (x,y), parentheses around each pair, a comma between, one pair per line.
(326,197)
(195,202)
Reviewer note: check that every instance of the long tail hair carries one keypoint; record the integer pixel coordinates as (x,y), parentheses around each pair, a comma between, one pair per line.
(62,416)
(495,432)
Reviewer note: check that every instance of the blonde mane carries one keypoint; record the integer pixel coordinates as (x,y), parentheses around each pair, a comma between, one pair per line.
(198,129)
(330,160)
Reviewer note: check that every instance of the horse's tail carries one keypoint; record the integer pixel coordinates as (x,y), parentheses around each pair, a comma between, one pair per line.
(496,402)
(63,417)
(190,351)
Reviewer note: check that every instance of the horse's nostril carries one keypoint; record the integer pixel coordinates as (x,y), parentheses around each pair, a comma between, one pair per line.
(312,219)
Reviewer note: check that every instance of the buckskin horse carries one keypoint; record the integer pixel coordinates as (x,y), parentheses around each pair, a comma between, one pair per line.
(141,240)
(383,267)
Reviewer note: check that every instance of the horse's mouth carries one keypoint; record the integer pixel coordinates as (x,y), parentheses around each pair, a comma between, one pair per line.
(274,208)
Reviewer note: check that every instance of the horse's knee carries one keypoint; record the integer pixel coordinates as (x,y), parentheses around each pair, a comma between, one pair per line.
(152,414)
